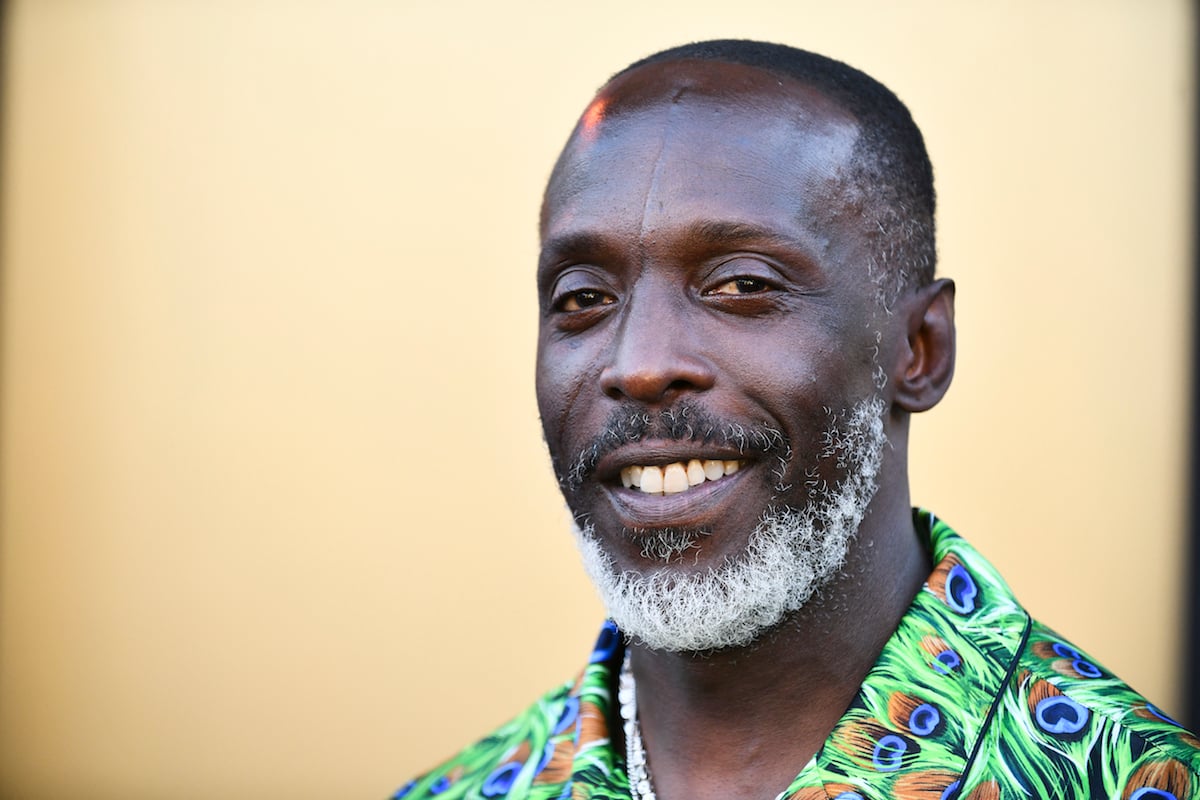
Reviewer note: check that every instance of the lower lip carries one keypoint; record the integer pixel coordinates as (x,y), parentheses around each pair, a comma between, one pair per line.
(694,508)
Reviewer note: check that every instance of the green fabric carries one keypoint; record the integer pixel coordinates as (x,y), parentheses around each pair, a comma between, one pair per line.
(969,699)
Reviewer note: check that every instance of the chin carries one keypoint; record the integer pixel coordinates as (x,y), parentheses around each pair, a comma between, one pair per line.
(790,554)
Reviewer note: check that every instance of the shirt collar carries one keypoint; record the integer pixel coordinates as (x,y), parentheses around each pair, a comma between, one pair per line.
(923,707)
(921,711)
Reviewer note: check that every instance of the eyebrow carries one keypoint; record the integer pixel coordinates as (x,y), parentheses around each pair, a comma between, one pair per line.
(703,233)
(732,232)
(574,242)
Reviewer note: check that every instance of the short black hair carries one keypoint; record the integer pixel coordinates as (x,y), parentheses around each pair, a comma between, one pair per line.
(891,165)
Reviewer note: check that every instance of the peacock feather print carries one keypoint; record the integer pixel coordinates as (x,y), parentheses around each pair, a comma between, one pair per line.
(970,699)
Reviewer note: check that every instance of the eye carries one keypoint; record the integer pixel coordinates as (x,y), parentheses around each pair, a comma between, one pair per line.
(581,299)
(740,286)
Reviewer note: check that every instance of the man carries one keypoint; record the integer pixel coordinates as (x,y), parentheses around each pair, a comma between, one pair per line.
(738,317)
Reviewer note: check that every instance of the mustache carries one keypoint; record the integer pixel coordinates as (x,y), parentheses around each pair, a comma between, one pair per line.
(683,422)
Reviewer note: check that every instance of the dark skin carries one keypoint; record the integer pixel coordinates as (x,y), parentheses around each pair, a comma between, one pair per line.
(701,243)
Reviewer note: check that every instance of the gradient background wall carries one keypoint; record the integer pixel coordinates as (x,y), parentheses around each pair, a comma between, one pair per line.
(276,518)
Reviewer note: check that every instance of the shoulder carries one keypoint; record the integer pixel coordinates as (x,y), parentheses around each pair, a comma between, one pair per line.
(492,765)
(1056,722)
(1070,672)
(1067,726)
(558,744)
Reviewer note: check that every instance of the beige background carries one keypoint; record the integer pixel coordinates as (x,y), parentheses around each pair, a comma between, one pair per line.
(275,514)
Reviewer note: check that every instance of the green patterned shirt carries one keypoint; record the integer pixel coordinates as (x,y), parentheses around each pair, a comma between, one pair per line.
(970,699)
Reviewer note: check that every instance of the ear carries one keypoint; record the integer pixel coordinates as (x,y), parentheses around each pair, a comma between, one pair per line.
(926,361)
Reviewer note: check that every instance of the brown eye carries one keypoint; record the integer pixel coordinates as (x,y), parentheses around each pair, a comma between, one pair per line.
(741,286)
(584,298)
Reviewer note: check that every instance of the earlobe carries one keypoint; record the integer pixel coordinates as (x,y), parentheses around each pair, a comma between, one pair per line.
(926,364)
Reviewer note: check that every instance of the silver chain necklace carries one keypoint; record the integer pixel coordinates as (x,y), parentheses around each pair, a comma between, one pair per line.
(640,787)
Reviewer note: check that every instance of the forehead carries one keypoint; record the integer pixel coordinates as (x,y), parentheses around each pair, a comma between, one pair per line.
(719,81)
(700,141)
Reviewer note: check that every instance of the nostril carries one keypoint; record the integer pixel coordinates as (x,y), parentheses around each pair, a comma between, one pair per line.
(655,385)
(645,385)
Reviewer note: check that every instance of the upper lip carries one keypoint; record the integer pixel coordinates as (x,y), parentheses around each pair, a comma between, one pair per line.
(652,453)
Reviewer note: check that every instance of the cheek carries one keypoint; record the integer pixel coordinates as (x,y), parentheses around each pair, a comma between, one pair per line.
(804,384)
(549,398)
(562,375)
(797,369)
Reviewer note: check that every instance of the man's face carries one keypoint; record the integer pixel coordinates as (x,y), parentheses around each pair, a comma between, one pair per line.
(708,324)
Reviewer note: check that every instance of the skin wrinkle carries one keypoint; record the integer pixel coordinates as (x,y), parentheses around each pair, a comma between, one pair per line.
(562,418)
(656,172)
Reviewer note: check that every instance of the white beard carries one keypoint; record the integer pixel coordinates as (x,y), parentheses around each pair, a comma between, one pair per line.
(790,554)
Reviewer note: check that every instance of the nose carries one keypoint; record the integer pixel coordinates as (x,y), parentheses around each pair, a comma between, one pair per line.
(655,355)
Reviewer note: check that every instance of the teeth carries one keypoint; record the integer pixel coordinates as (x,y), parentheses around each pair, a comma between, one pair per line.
(652,480)
(677,477)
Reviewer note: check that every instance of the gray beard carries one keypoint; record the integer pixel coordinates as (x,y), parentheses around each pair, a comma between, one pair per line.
(791,553)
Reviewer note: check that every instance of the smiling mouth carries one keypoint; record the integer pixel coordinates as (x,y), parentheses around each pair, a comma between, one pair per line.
(677,477)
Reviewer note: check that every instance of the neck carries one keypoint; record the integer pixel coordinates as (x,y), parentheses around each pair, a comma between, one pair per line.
(740,723)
